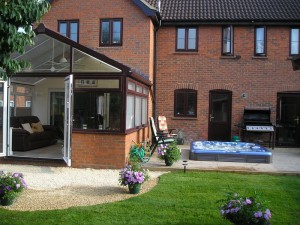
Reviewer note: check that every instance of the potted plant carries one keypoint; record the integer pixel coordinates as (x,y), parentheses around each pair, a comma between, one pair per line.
(170,153)
(245,210)
(11,184)
(133,176)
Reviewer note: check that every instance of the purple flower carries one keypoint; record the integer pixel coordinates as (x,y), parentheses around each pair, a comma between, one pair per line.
(258,214)
(267,214)
(234,210)
(247,202)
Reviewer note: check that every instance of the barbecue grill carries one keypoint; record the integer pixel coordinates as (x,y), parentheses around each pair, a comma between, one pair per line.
(257,120)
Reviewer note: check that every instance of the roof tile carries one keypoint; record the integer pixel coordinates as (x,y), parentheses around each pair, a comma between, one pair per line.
(229,10)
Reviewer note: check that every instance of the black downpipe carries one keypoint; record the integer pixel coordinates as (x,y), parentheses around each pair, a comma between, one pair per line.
(155,68)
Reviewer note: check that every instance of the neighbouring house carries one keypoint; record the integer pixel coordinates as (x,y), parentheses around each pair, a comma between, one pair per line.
(101,68)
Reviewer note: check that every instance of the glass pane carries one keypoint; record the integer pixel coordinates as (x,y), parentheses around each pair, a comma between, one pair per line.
(139,89)
(74,31)
(63,28)
(260,45)
(227,40)
(47,57)
(180,38)
(294,41)
(1,117)
(219,107)
(131,86)
(191,104)
(192,39)
(105,32)
(87,63)
(94,110)
(192,43)
(57,106)
(144,110)
(179,104)
(23,105)
(130,112)
(138,111)
(116,32)
(145,91)
(23,90)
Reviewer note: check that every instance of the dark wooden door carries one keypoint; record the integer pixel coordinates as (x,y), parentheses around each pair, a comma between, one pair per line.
(288,119)
(220,109)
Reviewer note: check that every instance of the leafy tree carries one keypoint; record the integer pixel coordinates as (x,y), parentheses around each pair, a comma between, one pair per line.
(16,21)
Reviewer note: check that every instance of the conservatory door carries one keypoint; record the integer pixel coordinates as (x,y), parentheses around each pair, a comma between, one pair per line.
(68,119)
(3,118)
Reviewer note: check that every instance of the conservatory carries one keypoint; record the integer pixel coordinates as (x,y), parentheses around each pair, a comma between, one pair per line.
(94,106)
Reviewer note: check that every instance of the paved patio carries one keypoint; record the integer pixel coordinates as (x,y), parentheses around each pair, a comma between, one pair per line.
(284,161)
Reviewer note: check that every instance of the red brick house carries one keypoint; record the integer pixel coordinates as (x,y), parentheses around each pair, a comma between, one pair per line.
(199,63)
(218,57)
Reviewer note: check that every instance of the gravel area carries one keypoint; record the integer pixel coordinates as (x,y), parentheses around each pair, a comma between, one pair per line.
(63,187)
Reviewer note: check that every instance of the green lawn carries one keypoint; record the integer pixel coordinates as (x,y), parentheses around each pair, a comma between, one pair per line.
(181,199)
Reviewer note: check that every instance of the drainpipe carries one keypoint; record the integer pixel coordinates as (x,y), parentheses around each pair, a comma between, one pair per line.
(155,66)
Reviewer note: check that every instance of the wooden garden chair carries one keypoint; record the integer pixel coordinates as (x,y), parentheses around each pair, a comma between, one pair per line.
(163,127)
(158,138)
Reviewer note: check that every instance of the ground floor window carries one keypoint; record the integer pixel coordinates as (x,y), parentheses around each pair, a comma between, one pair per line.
(185,103)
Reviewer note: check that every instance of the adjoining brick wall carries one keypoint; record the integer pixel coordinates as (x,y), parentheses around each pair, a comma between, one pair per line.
(260,79)
(103,151)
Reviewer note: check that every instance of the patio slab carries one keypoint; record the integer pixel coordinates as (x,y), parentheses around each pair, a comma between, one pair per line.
(284,161)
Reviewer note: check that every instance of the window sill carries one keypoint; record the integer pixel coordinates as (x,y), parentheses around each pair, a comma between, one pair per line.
(230,57)
(94,131)
(186,53)
(259,57)
(132,130)
(289,58)
(109,46)
(183,118)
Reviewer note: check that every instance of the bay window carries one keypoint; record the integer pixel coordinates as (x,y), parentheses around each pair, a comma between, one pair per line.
(137,105)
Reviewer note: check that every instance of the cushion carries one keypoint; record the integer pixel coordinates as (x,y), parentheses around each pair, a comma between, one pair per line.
(26,126)
(37,127)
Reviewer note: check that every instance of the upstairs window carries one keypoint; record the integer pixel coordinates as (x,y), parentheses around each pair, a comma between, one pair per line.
(185,103)
(69,28)
(260,41)
(187,39)
(111,32)
(295,41)
(227,40)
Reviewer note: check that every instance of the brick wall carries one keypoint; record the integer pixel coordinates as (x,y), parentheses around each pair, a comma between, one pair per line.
(260,79)
(103,151)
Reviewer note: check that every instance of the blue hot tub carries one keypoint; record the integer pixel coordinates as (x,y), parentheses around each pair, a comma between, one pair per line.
(229,151)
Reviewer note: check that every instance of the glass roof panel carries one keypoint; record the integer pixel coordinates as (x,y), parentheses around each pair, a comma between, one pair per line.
(86,63)
(49,55)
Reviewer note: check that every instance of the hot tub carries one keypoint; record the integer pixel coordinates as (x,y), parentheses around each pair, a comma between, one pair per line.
(229,152)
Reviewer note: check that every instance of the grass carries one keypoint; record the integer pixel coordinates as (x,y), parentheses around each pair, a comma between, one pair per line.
(178,199)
